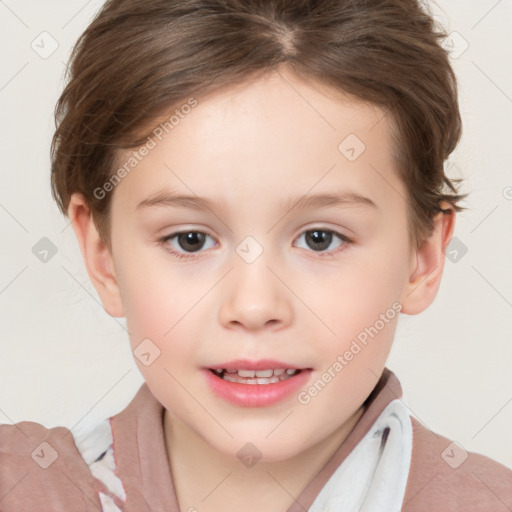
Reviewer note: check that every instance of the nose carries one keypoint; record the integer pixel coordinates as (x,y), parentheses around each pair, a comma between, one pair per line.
(254,297)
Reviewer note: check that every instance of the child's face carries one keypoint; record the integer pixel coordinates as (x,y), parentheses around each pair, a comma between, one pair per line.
(252,150)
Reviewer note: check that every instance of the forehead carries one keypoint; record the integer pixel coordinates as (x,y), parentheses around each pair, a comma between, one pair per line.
(265,138)
(281,108)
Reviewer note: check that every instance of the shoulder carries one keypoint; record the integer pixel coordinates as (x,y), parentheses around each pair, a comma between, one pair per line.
(43,468)
(443,476)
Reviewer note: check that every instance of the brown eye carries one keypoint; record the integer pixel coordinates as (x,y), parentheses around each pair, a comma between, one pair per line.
(185,243)
(191,241)
(319,240)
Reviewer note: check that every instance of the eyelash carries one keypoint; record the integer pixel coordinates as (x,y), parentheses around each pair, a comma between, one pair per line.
(180,255)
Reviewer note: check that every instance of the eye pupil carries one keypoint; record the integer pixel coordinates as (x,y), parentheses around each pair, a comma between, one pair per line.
(318,236)
(189,240)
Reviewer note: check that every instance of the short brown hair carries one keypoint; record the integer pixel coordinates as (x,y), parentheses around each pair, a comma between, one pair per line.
(140,58)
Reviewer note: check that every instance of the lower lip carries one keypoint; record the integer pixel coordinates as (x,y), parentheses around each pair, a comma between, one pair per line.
(256,395)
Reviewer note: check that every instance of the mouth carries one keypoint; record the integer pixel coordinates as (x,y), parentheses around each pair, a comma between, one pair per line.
(260,383)
(266,376)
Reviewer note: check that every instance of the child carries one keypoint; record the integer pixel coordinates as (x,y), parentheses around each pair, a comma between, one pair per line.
(257,130)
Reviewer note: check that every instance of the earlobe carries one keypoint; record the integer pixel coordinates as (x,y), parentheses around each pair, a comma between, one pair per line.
(97,257)
(427,265)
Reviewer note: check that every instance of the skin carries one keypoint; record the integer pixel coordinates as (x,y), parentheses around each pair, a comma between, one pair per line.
(250,148)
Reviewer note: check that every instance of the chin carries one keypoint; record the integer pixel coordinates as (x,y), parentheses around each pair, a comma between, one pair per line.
(251,450)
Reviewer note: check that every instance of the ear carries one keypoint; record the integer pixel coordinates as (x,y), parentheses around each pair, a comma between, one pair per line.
(96,254)
(427,264)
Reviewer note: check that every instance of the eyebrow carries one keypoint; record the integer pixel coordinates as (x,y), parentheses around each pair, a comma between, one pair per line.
(343,198)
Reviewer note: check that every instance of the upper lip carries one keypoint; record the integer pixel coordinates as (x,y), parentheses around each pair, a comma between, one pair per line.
(261,364)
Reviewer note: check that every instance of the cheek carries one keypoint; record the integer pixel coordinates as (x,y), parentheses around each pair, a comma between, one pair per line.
(156,303)
(355,297)
(359,306)
(160,322)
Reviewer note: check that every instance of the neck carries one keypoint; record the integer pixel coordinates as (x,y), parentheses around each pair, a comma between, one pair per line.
(207,480)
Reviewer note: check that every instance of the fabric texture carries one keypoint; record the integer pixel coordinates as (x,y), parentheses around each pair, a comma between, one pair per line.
(375,471)
(389,460)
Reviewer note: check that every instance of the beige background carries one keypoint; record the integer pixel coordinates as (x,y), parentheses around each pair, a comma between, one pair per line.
(64,361)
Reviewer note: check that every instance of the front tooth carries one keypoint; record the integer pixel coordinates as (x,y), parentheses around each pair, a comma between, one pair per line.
(268,381)
(264,373)
(246,373)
